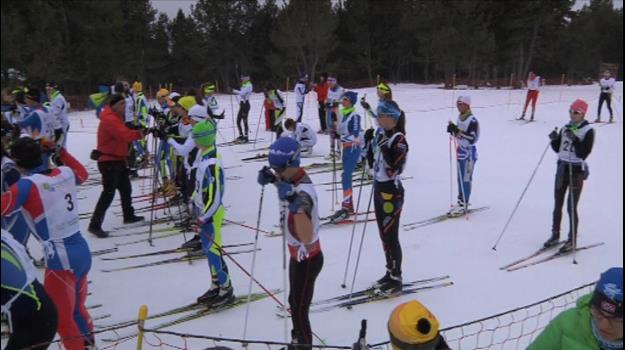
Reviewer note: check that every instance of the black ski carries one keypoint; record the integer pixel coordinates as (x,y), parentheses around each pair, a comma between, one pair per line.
(168,251)
(440,218)
(534,254)
(552,257)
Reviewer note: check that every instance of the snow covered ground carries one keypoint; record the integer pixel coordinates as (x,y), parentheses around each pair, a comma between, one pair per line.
(508,152)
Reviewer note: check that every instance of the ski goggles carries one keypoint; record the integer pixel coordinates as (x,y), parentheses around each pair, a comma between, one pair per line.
(331,80)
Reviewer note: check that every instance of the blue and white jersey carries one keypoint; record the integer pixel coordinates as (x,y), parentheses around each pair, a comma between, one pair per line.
(59,108)
(349,128)
(129,115)
(334,95)
(300,92)
(567,146)
(470,129)
(212,106)
(18,273)
(209,185)
(304,135)
(38,124)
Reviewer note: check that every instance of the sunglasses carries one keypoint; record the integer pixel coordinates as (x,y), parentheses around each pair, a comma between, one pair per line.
(331,80)
(575,112)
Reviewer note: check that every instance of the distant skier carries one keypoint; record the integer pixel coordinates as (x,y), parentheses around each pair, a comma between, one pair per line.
(244,94)
(276,97)
(533,85)
(209,183)
(59,108)
(607,88)
(573,143)
(301,89)
(466,133)
(300,224)
(387,157)
(302,133)
(322,92)
(384,94)
(349,134)
(335,93)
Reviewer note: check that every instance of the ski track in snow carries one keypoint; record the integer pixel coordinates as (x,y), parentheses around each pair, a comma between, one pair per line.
(507,154)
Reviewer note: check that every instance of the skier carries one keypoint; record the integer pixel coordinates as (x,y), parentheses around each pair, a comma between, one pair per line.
(466,133)
(607,88)
(166,124)
(384,94)
(387,158)
(350,136)
(335,93)
(322,92)
(244,107)
(113,141)
(209,184)
(59,108)
(533,84)
(596,322)
(49,199)
(15,223)
(39,124)
(573,143)
(25,304)
(300,224)
(301,89)
(412,326)
(141,120)
(269,111)
(211,103)
(276,97)
(302,133)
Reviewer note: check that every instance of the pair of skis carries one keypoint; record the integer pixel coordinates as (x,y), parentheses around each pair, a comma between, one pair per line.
(529,260)
(440,218)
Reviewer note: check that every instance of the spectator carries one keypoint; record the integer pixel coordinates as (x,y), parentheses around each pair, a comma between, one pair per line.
(113,141)
(322,92)
(412,326)
(595,323)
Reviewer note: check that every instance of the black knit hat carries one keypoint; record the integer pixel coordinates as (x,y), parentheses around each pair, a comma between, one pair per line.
(33,93)
(116,98)
(26,153)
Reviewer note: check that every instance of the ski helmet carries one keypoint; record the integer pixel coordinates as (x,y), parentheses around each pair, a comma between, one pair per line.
(389,109)
(412,326)
(284,153)
(204,133)
(608,294)
(26,153)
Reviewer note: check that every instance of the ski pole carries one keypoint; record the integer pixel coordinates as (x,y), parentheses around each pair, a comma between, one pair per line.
(334,187)
(249,291)
(573,208)
(154,190)
(234,133)
(451,176)
(516,206)
(284,271)
(461,181)
(262,107)
(351,239)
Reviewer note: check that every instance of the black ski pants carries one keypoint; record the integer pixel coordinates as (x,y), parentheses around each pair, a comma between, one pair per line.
(562,184)
(388,201)
(115,176)
(244,110)
(302,276)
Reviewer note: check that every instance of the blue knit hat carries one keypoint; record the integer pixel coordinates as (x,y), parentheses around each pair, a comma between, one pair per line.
(284,153)
(608,294)
(389,108)
(351,96)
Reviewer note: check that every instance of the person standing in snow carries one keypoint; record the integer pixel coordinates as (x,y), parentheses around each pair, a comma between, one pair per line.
(596,322)
(387,158)
(533,84)
(301,89)
(302,133)
(276,97)
(350,137)
(59,108)
(335,93)
(300,223)
(209,183)
(27,307)
(466,133)
(322,93)
(573,144)
(39,124)
(244,94)
(49,198)
(209,100)
(384,94)
(607,88)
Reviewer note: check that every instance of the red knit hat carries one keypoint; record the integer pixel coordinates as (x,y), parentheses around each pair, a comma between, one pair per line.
(579,105)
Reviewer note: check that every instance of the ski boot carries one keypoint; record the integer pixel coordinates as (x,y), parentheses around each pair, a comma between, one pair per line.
(210,294)
(598,120)
(611,120)
(532,117)
(552,241)
(459,210)
(392,286)
(382,281)
(133,219)
(224,296)
(522,117)
(193,244)
(340,215)
(567,247)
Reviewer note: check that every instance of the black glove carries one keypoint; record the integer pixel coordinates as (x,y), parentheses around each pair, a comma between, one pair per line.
(452,128)
(221,116)
(365,105)
(554,134)
(369,134)
(266,176)
(570,134)
(16,131)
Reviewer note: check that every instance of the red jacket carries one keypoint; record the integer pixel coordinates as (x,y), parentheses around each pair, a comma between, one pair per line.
(322,91)
(114,137)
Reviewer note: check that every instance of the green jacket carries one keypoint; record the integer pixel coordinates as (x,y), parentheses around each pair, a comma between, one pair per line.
(570,330)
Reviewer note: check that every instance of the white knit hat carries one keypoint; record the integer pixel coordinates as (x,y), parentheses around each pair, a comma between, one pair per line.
(466,99)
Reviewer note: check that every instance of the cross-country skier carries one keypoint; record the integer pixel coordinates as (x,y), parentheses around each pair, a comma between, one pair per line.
(211,103)
(573,144)
(300,224)
(387,157)
(607,88)
(384,94)
(39,123)
(59,108)
(301,89)
(533,85)
(49,200)
(31,315)
(244,94)
(209,190)
(350,136)
(335,93)
(466,133)
(277,114)
(302,133)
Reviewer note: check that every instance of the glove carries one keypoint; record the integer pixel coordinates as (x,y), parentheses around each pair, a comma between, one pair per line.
(266,176)
(369,135)
(365,105)
(221,116)
(47,145)
(554,134)
(452,128)
(302,253)
(570,134)
(286,192)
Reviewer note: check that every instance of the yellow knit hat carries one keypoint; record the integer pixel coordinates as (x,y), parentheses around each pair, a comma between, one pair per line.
(137,86)
(412,326)
(187,102)
(162,93)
